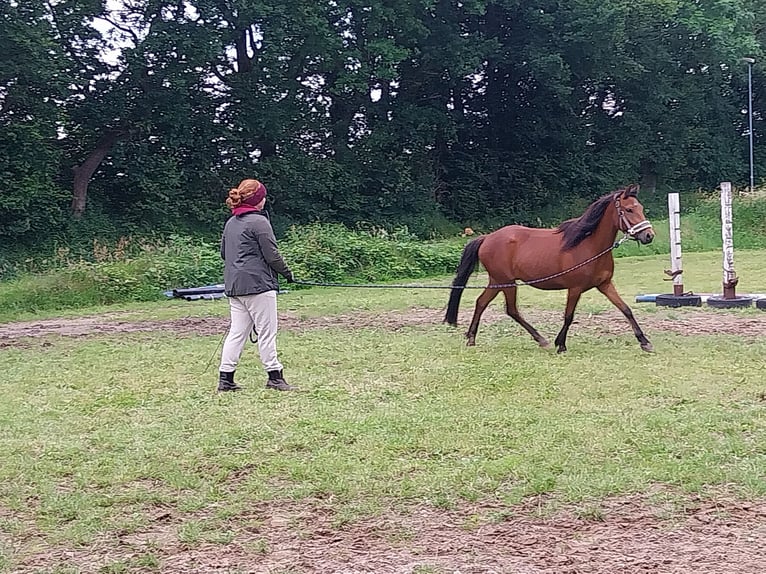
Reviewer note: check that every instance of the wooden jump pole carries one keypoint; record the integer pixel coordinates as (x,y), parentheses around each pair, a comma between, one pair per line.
(676,268)
(730,279)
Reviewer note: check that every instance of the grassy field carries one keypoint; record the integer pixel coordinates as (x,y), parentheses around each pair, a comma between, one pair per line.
(98,433)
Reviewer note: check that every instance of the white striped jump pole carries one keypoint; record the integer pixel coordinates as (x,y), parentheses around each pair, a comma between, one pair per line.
(674,218)
(729,275)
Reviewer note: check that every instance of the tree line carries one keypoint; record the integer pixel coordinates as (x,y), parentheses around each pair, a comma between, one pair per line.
(140,114)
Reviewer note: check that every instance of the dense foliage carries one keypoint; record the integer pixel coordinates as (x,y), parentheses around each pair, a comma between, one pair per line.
(139,270)
(140,115)
(136,270)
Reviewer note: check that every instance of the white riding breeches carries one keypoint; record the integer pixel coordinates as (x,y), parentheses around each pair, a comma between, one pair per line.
(248,312)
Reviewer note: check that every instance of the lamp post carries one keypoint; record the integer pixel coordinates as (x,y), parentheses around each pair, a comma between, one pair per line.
(750,62)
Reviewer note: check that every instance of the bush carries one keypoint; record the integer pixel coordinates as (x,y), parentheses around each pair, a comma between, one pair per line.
(136,270)
(332,253)
(186,262)
(140,269)
(701,228)
(126,271)
(61,289)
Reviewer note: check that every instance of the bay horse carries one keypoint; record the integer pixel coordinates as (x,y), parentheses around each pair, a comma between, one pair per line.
(576,255)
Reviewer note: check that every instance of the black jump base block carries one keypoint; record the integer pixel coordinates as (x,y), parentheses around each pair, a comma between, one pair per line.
(670,300)
(734,303)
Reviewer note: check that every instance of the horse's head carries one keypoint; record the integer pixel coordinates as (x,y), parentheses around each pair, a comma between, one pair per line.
(630,215)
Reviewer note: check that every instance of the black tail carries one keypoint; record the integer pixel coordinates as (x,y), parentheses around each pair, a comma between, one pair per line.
(467,265)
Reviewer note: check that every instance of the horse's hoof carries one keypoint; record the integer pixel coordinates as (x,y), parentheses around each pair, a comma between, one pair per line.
(561,350)
(647,347)
(544,343)
(470,343)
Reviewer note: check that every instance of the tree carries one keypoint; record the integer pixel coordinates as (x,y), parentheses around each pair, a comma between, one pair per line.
(34,75)
(487,111)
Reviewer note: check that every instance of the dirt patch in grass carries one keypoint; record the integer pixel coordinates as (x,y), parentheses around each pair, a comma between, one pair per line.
(687,322)
(630,535)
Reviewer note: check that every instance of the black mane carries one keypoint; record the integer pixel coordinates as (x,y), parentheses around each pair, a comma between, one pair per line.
(577,229)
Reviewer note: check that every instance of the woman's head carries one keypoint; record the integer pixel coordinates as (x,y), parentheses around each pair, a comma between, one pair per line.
(249,192)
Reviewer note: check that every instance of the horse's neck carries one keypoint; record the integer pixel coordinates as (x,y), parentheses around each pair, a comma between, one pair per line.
(606,231)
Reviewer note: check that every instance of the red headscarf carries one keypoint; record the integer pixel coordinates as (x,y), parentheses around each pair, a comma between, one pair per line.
(246,197)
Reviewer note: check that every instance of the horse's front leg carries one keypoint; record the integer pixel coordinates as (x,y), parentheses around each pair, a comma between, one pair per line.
(610,291)
(573,297)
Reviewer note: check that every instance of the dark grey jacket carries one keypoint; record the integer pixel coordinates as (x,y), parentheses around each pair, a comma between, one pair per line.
(250,254)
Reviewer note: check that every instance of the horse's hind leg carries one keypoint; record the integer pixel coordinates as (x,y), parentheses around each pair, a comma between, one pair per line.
(573,297)
(482,302)
(610,291)
(513,312)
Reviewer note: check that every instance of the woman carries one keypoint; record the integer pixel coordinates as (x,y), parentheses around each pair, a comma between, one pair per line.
(251,263)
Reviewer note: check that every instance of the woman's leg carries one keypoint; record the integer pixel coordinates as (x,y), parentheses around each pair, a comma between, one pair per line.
(263,312)
(241,325)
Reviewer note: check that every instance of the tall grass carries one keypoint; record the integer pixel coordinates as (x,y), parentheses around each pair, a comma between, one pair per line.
(334,253)
(139,270)
(130,270)
(701,228)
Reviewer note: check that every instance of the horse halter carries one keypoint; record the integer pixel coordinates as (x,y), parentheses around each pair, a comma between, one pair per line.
(628,229)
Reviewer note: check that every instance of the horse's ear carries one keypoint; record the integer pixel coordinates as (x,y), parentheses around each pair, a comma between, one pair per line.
(631,190)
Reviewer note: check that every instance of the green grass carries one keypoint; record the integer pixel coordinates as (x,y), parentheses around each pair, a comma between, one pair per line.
(135,269)
(701,231)
(634,275)
(97,434)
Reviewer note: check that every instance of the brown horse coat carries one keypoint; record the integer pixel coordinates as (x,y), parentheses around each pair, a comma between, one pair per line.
(577,256)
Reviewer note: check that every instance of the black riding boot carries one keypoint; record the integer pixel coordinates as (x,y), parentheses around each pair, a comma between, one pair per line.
(278,383)
(226,382)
